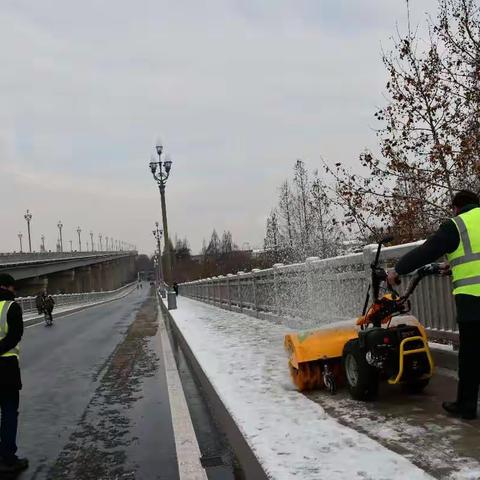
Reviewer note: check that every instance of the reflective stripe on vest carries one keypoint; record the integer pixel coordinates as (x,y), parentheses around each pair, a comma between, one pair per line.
(465,260)
(4,307)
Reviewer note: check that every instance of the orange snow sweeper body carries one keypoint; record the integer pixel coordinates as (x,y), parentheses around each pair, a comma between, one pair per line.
(382,344)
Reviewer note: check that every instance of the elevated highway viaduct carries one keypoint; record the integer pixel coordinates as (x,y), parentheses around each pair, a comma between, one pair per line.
(72,272)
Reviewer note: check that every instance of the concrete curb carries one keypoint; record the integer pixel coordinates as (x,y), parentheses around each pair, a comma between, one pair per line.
(445,358)
(40,319)
(186,443)
(248,461)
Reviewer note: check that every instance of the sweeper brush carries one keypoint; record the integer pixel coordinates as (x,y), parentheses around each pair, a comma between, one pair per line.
(383,344)
(315,357)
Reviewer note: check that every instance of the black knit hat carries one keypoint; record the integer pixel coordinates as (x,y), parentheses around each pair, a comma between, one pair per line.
(6,280)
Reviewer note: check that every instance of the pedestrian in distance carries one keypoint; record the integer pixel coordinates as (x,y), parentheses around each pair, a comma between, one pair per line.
(11,331)
(458,239)
(39,299)
(175,288)
(48,306)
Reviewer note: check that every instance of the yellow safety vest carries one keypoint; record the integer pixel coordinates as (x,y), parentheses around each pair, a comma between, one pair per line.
(465,260)
(4,307)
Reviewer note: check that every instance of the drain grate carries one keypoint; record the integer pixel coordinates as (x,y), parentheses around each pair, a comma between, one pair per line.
(211,461)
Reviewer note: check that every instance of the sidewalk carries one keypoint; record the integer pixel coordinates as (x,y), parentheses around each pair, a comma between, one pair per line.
(292,436)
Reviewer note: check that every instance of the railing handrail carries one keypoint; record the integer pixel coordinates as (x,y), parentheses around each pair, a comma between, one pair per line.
(323,290)
(28,304)
(64,257)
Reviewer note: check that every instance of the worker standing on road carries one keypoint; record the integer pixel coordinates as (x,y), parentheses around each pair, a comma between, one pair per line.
(459,239)
(11,331)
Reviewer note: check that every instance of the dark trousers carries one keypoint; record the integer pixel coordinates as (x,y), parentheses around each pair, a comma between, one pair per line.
(468,369)
(9,401)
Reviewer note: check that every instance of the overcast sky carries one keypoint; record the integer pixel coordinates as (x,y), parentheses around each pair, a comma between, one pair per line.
(236,89)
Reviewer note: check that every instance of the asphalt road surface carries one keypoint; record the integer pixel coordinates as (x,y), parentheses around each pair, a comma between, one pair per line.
(94,405)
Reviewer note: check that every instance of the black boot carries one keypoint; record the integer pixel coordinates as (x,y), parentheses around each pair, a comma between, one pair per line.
(457,410)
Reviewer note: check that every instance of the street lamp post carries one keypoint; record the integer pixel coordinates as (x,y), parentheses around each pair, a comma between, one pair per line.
(91,237)
(100,241)
(71,245)
(20,235)
(79,231)
(160,172)
(60,226)
(28,218)
(157,233)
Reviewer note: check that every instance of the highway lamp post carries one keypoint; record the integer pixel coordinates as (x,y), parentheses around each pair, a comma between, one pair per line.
(155,267)
(160,172)
(20,235)
(28,218)
(79,231)
(157,233)
(91,237)
(60,226)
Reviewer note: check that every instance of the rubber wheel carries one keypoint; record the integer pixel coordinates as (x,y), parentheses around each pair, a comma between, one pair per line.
(415,386)
(362,379)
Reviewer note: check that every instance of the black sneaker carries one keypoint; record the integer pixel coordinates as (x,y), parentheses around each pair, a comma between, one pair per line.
(455,409)
(15,466)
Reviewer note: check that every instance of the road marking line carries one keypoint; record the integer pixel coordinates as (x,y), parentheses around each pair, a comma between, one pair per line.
(188,451)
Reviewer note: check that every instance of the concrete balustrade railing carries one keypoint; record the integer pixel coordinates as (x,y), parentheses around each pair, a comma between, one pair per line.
(16,258)
(322,291)
(28,304)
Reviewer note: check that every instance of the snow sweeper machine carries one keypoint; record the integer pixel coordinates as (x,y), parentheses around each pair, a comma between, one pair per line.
(385,344)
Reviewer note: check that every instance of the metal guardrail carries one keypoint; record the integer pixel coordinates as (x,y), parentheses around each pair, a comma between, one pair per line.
(28,303)
(322,291)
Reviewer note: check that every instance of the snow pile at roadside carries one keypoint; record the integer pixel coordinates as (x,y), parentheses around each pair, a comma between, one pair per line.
(292,437)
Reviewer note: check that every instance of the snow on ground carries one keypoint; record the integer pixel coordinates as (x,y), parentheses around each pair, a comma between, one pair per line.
(293,437)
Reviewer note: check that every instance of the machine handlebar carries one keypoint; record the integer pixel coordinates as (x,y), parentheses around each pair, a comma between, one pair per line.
(425,271)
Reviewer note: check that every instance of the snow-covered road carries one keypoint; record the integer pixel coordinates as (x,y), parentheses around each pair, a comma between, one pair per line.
(319,437)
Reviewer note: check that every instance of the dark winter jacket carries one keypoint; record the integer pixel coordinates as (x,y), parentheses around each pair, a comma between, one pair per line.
(39,302)
(49,303)
(445,240)
(9,367)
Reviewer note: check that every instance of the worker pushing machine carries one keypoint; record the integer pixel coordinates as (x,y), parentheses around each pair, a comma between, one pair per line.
(458,239)
(11,331)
